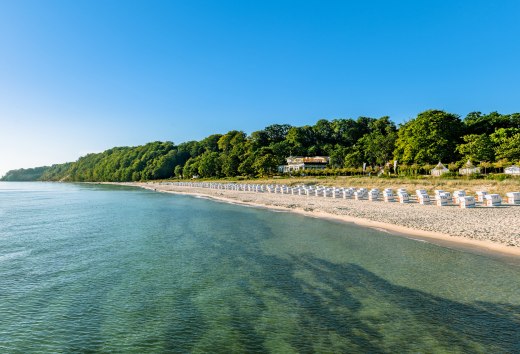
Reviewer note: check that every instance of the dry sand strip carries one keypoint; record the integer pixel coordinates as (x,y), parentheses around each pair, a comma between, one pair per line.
(495,229)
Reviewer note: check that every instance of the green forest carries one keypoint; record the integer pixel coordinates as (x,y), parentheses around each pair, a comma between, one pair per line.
(491,141)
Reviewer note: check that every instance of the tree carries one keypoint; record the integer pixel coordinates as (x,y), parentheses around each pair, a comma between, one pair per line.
(277,132)
(190,149)
(229,164)
(477,148)
(300,139)
(485,165)
(478,123)
(355,158)
(363,125)
(281,151)
(346,132)
(259,138)
(210,164)
(337,156)
(500,164)
(178,171)
(323,131)
(265,164)
(191,168)
(246,167)
(507,143)
(211,143)
(429,138)
(378,145)
(227,141)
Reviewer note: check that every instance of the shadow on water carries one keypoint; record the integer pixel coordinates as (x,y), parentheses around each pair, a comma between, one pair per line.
(349,302)
(340,307)
(186,325)
(267,302)
(335,307)
(328,307)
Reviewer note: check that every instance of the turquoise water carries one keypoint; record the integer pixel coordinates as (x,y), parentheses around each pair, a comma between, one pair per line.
(94,268)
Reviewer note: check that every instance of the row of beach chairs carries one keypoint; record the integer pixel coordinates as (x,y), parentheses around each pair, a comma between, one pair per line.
(441,198)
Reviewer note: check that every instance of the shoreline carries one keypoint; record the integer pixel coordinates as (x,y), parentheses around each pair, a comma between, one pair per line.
(481,247)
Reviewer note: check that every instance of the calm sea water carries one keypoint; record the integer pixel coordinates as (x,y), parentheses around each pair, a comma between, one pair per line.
(87,268)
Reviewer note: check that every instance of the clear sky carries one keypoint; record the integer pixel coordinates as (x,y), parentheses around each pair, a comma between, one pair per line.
(83,76)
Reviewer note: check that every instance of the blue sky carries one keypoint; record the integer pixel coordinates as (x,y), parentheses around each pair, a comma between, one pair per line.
(83,76)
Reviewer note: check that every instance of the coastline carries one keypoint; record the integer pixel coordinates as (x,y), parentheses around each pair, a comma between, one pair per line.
(453,241)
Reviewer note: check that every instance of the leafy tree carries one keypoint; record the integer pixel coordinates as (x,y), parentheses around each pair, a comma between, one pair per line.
(210,164)
(281,151)
(191,168)
(246,166)
(229,140)
(477,148)
(355,158)
(277,132)
(507,142)
(323,131)
(378,145)
(346,132)
(178,171)
(485,165)
(431,137)
(500,164)
(229,164)
(300,139)
(478,123)
(259,138)
(265,165)
(210,143)
(190,149)
(337,156)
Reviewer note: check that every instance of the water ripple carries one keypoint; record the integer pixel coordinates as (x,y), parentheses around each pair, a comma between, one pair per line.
(101,269)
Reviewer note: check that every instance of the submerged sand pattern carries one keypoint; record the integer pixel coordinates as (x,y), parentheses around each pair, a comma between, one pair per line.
(500,225)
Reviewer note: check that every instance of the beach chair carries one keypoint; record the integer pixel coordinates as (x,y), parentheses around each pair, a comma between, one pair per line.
(513,197)
(388,195)
(466,202)
(492,200)
(373,195)
(442,199)
(481,195)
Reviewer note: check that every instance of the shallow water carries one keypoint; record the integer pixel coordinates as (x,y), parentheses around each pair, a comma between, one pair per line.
(109,268)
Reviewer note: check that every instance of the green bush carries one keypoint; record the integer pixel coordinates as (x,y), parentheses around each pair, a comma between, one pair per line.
(498,176)
(475,176)
(449,175)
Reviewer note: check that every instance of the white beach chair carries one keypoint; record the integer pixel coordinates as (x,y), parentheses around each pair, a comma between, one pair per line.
(513,197)
(492,200)
(466,202)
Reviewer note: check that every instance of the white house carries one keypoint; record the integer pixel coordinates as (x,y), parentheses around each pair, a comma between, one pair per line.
(439,169)
(297,163)
(469,169)
(512,170)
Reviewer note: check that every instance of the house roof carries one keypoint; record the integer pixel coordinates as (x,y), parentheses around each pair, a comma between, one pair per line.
(469,164)
(308,159)
(440,166)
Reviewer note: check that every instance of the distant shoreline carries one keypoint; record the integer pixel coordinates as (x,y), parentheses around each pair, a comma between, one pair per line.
(375,216)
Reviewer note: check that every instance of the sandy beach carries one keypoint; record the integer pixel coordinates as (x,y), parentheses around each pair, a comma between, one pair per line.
(495,230)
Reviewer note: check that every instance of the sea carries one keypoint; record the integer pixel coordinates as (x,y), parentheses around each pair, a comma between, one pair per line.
(101,268)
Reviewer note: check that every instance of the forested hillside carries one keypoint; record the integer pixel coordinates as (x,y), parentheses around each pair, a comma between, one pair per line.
(25,174)
(491,140)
